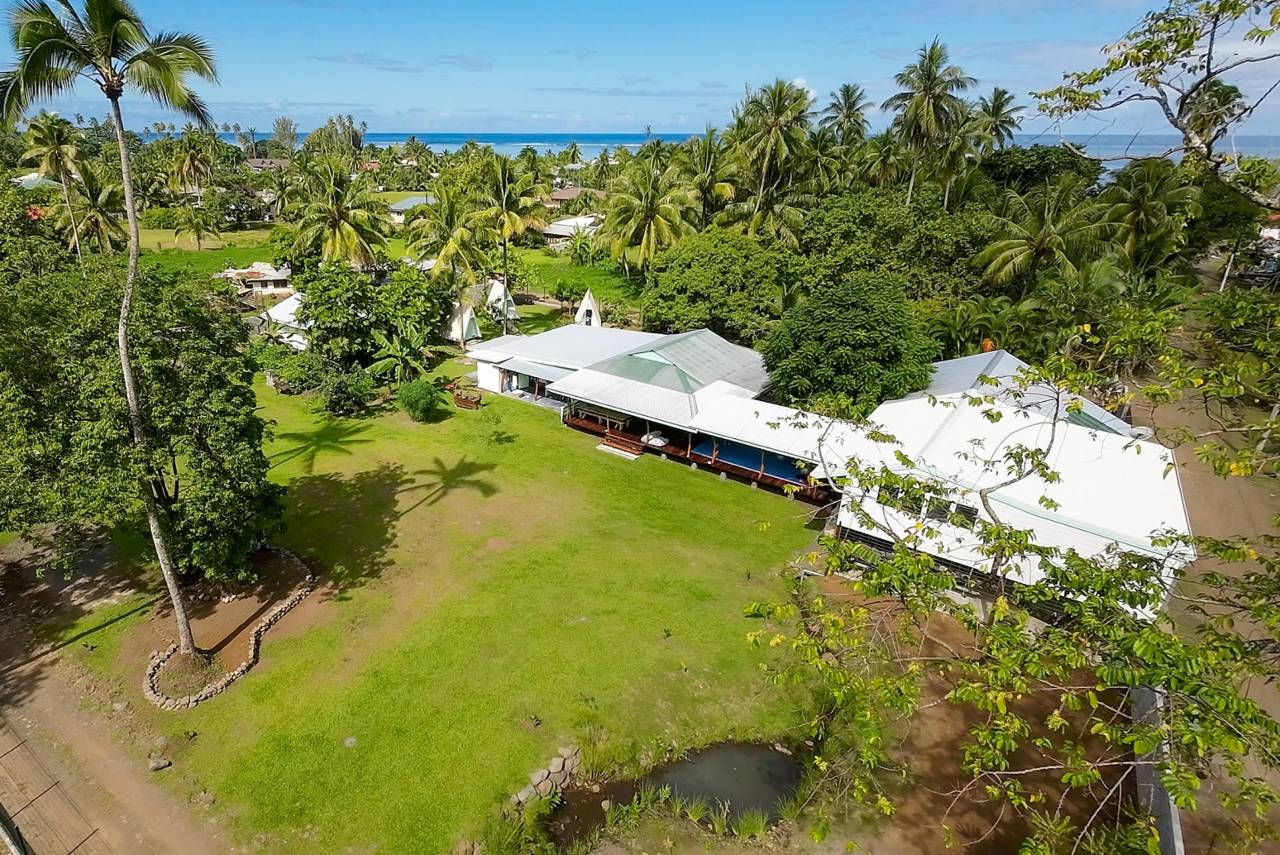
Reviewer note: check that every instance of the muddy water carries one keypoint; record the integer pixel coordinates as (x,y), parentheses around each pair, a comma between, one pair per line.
(743,776)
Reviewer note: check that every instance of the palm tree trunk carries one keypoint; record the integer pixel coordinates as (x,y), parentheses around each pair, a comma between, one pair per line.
(462,331)
(946,194)
(75,227)
(911,185)
(186,643)
(764,173)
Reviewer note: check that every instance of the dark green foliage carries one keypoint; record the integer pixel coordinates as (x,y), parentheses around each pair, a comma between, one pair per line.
(876,230)
(1224,215)
(410,299)
(856,339)
(345,393)
(340,305)
(299,371)
(60,373)
(1021,167)
(421,399)
(159,218)
(721,281)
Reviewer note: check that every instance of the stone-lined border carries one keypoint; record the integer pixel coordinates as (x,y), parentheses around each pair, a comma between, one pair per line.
(151,682)
(553,777)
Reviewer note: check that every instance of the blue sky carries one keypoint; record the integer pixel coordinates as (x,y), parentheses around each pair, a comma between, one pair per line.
(605,66)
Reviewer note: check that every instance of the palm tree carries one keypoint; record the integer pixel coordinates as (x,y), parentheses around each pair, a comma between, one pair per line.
(283,187)
(1050,226)
(1145,196)
(828,160)
(106,42)
(961,150)
(603,168)
(200,223)
(881,159)
(707,171)
(192,163)
(646,212)
(446,229)
(53,145)
(572,154)
(999,116)
(928,102)
(94,213)
(511,203)
(340,218)
(775,124)
(846,113)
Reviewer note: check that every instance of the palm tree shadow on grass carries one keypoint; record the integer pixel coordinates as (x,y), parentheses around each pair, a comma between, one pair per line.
(332,436)
(444,479)
(346,524)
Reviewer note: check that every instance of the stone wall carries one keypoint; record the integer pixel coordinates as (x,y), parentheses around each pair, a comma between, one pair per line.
(151,681)
(554,776)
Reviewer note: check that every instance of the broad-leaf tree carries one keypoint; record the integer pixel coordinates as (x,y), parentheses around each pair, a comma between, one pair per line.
(107,42)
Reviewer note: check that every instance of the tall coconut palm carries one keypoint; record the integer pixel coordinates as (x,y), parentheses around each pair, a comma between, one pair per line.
(603,168)
(960,150)
(881,160)
(646,212)
(446,229)
(94,212)
(1054,226)
(999,116)
(200,223)
(1146,196)
(846,113)
(828,161)
(572,153)
(774,129)
(927,103)
(340,218)
(707,171)
(53,146)
(192,164)
(106,42)
(511,203)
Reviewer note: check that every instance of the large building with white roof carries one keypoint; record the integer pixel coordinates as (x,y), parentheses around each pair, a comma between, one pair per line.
(695,397)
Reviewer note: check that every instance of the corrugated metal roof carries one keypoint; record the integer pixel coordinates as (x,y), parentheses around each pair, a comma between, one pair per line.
(572,346)
(689,361)
(409,202)
(536,369)
(960,376)
(629,397)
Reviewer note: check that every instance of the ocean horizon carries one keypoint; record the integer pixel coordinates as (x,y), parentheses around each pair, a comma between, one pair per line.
(1098,145)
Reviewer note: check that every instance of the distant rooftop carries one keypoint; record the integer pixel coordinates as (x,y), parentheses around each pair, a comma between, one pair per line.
(408,203)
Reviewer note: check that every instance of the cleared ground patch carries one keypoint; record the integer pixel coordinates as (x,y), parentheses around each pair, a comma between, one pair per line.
(495,587)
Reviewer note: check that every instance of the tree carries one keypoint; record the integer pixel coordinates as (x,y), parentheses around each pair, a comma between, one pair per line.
(881,160)
(875,230)
(646,212)
(94,212)
(928,103)
(108,43)
(52,144)
(719,280)
(846,113)
(707,171)
(511,203)
(1145,196)
(448,229)
(851,345)
(411,301)
(774,125)
(341,311)
(340,219)
(205,466)
(999,116)
(399,354)
(1022,168)
(1173,60)
(200,223)
(1055,226)
(192,164)
(285,132)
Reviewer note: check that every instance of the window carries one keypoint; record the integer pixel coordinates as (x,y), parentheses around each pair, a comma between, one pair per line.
(939,511)
(966,516)
(586,317)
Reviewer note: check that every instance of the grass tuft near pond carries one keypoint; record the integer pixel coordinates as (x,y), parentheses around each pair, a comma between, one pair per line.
(498,588)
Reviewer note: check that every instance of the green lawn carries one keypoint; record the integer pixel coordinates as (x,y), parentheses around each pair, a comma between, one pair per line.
(155,240)
(206,262)
(606,284)
(500,587)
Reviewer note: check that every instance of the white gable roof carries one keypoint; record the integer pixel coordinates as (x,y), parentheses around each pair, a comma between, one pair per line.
(571,346)
(285,313)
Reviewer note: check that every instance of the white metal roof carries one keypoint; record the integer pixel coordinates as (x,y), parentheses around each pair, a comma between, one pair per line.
(572,346)
(782,430)
(569,226)
(631,397)
(408,203)
(285,313)
(550,373)
(957,377)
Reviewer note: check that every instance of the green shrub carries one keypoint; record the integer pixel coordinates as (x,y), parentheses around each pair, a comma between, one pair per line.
(420,399)
(344,393)
(269,355)
(300,372)
(159,218)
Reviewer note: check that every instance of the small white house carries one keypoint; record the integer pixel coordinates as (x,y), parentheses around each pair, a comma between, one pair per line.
(400,210)
(259,277)
(589,314)
(293,330)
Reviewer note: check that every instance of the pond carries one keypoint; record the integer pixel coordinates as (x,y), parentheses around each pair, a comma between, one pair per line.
(742,776)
